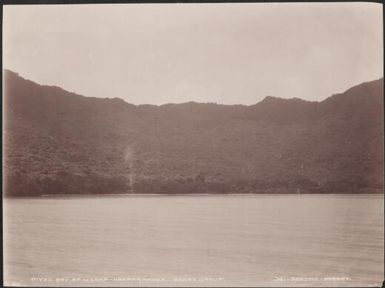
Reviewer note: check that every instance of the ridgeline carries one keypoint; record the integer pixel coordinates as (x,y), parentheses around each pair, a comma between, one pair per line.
(57,142)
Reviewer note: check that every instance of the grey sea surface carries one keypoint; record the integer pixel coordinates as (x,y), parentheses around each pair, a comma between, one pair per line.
(195,240)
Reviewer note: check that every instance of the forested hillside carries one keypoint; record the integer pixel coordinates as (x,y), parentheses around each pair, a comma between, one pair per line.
(57,142)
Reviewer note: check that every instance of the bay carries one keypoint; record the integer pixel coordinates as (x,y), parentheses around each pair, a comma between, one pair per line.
(195,240)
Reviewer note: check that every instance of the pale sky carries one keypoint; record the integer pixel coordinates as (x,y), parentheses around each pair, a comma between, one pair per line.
(173,53)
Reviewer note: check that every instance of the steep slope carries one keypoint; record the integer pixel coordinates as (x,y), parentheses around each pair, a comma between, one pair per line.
(61,142)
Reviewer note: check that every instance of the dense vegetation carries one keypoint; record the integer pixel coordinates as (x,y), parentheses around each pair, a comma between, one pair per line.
(57,142)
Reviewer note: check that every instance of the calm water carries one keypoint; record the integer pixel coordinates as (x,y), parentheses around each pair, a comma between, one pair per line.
(237,240)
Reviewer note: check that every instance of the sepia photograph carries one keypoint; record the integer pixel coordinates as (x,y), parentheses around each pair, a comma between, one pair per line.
(193,144)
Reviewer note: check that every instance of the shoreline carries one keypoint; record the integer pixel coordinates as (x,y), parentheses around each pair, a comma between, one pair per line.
(106,195)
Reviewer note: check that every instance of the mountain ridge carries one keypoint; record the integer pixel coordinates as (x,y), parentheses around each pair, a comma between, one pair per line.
(268,97)
(62,142)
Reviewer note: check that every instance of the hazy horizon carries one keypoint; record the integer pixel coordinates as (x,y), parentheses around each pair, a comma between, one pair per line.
(228,53)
